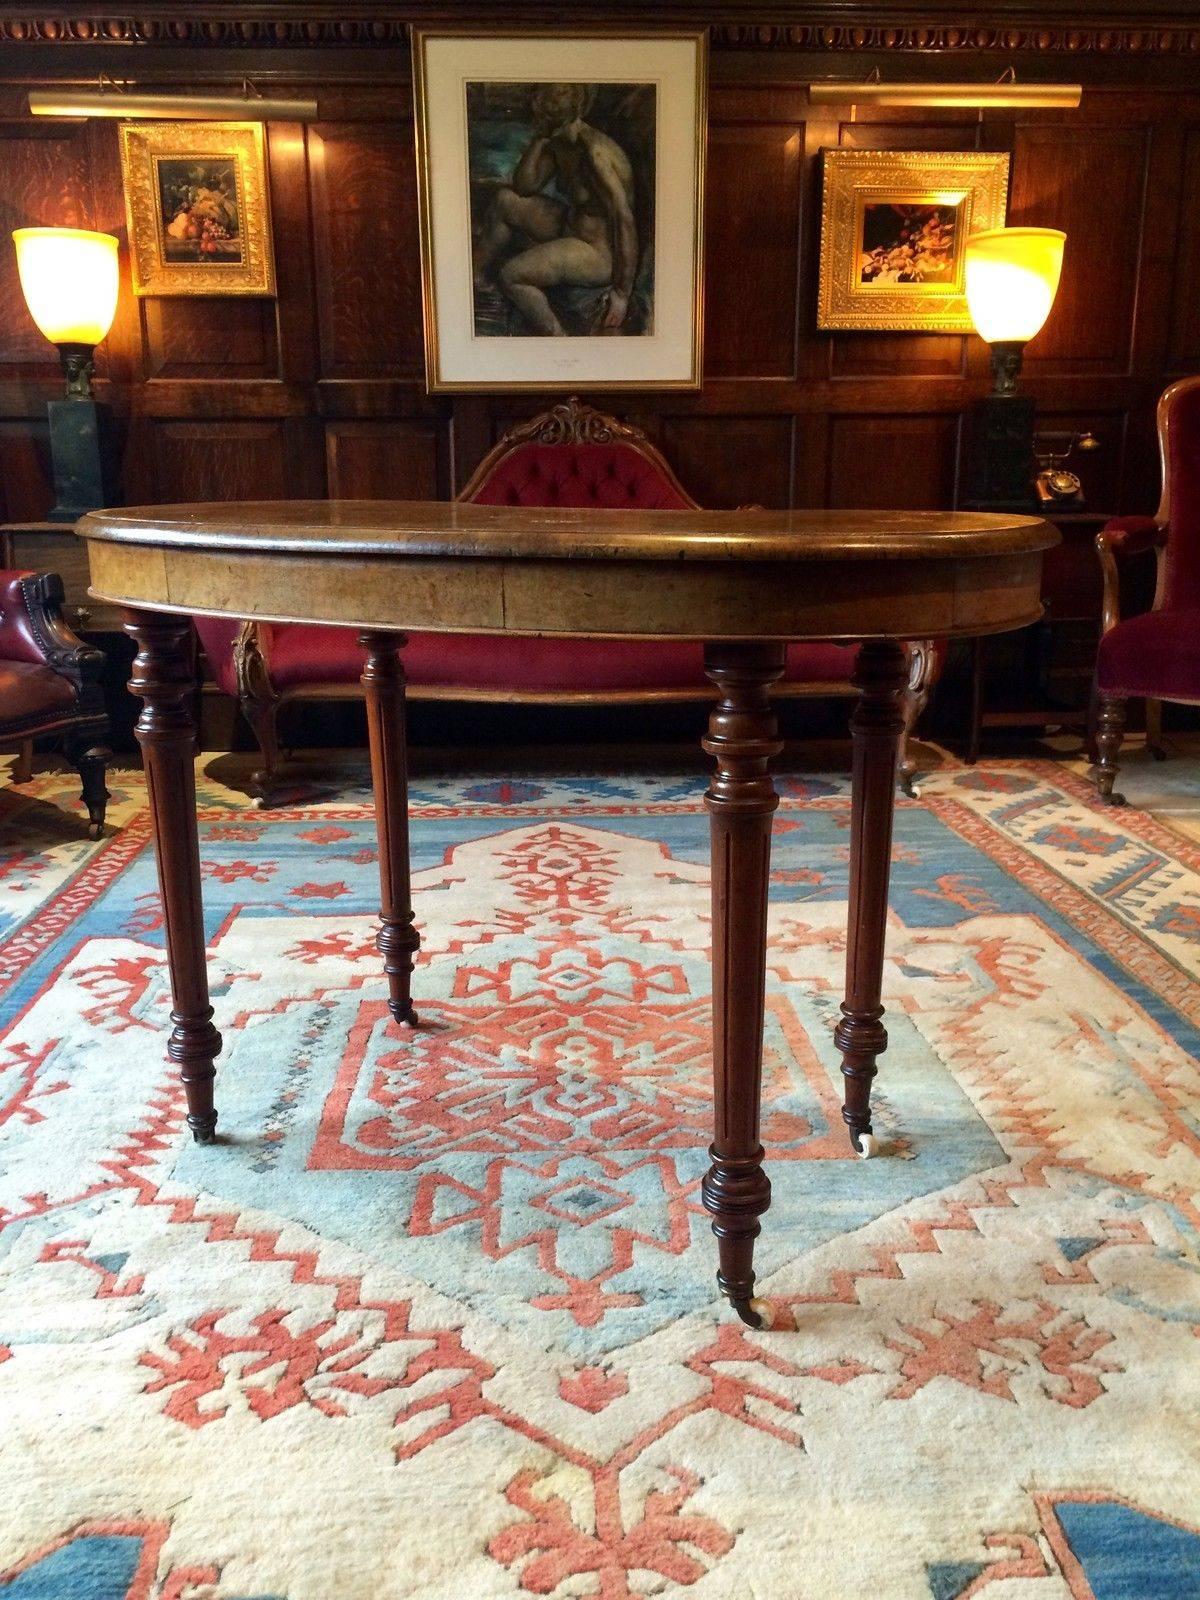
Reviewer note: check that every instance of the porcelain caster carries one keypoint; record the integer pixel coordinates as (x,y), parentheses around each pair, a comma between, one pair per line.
(867,1145)
(754,1313)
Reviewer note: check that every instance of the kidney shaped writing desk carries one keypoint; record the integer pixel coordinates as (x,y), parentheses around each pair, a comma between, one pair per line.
(743,582)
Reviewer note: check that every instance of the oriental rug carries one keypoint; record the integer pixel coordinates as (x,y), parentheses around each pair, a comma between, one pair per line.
(437,1316)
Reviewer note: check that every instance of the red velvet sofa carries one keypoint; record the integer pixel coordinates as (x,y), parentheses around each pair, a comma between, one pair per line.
(572,456)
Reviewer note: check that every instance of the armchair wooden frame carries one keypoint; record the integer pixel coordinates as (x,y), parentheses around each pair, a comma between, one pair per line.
(569,423)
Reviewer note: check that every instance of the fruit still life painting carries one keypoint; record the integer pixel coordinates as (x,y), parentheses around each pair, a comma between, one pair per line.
(199,201)
(198,206)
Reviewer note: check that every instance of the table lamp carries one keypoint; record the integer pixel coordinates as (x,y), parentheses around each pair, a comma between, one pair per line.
(1011,279)
(69,279)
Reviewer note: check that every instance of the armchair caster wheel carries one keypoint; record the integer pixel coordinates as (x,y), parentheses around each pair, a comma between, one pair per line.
(867,1145)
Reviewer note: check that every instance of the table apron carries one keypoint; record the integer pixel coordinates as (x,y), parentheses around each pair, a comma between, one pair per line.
(902,597)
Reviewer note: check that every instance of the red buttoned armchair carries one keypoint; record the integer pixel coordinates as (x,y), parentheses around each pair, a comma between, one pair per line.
(570,456)
(1156,655)
(50,686)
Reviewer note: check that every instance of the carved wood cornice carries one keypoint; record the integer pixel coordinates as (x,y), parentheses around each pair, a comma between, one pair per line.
(1100,28)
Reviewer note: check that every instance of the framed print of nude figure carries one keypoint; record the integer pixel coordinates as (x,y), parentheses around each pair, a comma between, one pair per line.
(561,208)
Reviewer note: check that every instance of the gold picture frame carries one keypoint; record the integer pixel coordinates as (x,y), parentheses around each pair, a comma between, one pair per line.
(211,177)
(893,226)
(630,316)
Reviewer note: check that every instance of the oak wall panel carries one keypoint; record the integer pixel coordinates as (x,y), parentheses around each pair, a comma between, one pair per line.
(1089,181)
(368,281)
(889,462)
(753,225)
(382,461)
(731,461)
(25,470)
(229,460)
(217,337)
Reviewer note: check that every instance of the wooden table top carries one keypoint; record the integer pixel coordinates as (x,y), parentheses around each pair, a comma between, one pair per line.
(449,567)
(389,528)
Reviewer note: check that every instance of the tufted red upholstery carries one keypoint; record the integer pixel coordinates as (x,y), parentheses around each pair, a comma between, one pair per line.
(611,475)
(305,655)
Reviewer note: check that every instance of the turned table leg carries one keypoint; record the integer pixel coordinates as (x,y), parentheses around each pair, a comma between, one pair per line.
(741,800)
(164,679)
(398,941)
(876,726)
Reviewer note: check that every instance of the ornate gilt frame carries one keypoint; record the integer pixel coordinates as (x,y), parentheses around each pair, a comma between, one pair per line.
(849,178)
(145,143)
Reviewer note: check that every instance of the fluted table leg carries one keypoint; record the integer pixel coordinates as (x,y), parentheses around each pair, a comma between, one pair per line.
(383,686)
(164,679)
(741,800)
(876,726)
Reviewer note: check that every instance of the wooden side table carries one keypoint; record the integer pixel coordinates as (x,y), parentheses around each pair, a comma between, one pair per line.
(1071,594)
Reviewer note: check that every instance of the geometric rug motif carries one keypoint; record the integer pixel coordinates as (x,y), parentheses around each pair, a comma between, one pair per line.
(437,1313)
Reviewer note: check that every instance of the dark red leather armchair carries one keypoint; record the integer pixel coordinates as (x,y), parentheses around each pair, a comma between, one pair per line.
(50,686)
(1155,655)
(571,456)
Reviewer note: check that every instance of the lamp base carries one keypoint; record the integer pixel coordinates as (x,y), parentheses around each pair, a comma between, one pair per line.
(999,468)
(77,457)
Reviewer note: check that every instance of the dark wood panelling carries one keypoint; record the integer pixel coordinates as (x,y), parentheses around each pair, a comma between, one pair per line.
(730,461)
(894,355)
(25,470)
(45,181)
(1184,348)
(209,338)
(368,281)
(905,463)
(382,461)
(753,223)
(233,460)
(322,388)
(1089,181)
(910,129)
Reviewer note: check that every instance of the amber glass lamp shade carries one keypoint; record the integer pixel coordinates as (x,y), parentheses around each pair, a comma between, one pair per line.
(1011,280)
(69,279)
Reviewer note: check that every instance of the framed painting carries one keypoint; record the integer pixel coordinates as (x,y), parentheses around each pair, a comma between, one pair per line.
(198,208)
(561,193)
(893,227)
